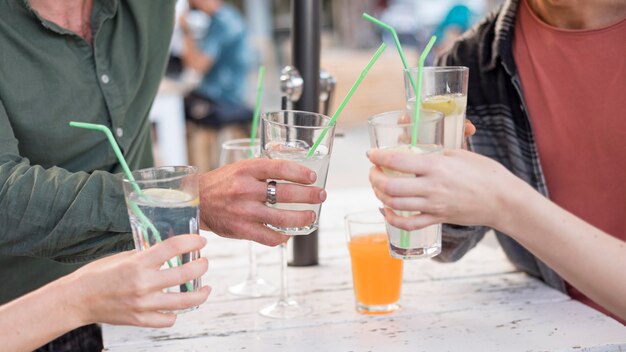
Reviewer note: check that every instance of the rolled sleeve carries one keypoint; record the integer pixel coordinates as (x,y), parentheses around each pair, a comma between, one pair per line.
(56,214)
(457,240)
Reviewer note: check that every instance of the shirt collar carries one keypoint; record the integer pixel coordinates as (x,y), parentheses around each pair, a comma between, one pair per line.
(102,10)
(501,47)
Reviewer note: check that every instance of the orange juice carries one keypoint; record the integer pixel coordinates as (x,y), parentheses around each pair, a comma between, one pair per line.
(376,275)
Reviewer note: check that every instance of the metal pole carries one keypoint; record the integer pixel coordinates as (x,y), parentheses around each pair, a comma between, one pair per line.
(305,39)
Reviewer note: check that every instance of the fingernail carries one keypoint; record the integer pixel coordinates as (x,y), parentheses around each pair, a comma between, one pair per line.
(204,240)
(312,176)
(323,195)
(367,154)
(382,211)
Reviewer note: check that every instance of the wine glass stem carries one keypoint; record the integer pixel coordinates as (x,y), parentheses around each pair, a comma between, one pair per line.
(252,268)
(284,293)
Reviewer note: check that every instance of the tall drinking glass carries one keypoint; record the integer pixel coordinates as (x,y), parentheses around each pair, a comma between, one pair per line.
(393,131)
(163,202)
(254,285)
(290,135)
(444,89)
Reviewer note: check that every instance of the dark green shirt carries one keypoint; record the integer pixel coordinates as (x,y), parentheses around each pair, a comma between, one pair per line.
(61,198)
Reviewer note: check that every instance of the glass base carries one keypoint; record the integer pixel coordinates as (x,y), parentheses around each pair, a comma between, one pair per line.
(376,309)
(414,253)
(285,309)
(253,287)
(295,231)
(181,311)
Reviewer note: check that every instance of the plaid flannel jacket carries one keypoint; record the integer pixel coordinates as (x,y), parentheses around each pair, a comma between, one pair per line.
(496,107)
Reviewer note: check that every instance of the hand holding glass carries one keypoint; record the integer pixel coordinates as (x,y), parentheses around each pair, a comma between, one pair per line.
(393,131)
(290,135)
(167,197)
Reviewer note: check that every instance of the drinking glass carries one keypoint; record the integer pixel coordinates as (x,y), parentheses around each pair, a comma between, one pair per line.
(376,276)
(290,135)
(254,285)
(163,202)
(444,89)
(393,130)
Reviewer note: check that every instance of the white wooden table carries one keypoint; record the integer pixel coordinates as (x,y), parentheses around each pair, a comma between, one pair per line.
(480,303)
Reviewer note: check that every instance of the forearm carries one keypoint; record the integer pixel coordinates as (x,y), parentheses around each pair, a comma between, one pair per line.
(586,257)
(38,317)
(60,215)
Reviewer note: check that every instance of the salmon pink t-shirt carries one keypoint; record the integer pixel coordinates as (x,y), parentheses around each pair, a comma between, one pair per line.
(574,86)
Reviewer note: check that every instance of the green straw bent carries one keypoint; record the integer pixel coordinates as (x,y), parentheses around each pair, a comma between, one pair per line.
(394,35)
(418,92)
(257,109)
(354,87)
(405,240)
(146,224)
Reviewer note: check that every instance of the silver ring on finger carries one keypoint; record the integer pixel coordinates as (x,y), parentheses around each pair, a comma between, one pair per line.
(271,192)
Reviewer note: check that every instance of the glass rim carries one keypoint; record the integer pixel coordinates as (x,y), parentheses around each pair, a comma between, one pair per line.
(327,119)
(365,221)
(438,69)
(370,120)
(241,144)
(192,170)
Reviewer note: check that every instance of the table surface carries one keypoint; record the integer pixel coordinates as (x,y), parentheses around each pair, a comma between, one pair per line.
(480,303)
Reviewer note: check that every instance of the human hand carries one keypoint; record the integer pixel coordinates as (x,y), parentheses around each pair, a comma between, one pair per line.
(184,24)
(457,187)
(232,199)
(127,288)
(470,129)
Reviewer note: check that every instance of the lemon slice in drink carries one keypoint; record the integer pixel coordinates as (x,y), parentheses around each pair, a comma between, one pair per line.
(445,104)
(169,196)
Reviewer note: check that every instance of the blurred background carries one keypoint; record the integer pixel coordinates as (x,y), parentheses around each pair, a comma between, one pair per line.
(347,43)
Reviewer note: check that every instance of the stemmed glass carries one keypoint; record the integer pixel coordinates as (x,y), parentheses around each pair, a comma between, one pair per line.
(254,285)
(291,135)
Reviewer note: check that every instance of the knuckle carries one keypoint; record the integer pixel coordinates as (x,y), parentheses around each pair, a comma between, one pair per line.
(394,203)
(394,160)
(392,187)
(238,188)
(284,192)
(141,289)
(184,273)
(414,225)
(280,218)
(272,238)
(438,208)
(282,167)
(169,322)
(141,320)
(384,186)
(314,195)
(273,242)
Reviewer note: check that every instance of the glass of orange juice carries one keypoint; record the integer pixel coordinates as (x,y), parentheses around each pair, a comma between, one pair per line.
(377,276)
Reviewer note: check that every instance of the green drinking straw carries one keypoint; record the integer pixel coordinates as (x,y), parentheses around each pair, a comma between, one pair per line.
(356,84)
(404,235)
(405,240)
(257,109)
(394,35)
(145,222)
(418,92)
